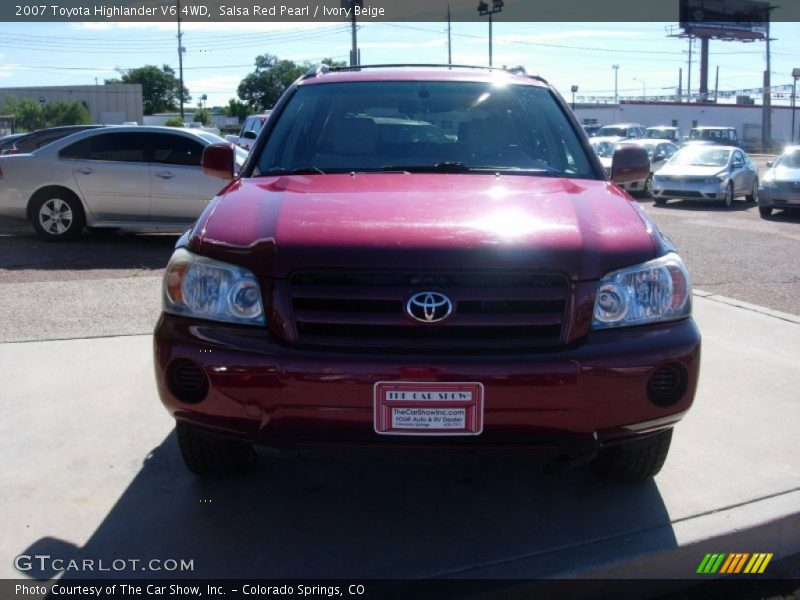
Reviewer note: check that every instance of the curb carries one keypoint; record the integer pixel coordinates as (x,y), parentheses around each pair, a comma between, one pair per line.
(747,306)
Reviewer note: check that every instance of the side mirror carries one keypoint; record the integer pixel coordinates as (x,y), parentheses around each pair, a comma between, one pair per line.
(630,163)
(219,161)
(770,163)
(249,135)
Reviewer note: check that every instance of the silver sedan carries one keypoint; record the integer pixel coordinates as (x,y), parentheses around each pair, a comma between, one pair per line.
(707,173)
(780,187)
(113,177)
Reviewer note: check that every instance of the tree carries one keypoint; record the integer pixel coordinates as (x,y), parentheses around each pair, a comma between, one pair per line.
(202,115)
(160,87)
(28,114)
(262,88)
(66,113)
(238,109)
(174,122)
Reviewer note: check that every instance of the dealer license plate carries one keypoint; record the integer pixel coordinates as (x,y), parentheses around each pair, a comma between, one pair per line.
(429,408)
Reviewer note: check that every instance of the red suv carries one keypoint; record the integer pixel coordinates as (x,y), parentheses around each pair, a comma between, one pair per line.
(483,287)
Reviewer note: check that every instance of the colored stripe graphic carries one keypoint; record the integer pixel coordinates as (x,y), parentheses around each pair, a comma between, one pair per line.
(723,563)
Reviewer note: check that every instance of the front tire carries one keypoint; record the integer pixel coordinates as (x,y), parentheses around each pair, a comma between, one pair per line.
(634,461)
(648,186)
(209,455)
(753,195)
(765,211)
(729,195)
(58,217)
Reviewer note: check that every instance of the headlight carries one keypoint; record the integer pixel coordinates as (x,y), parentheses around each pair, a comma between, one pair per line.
(767,184)
(716,179)
(658,290)
(196,286)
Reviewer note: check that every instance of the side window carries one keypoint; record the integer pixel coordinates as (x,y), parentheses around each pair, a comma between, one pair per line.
(256,127)
(738,159)
(77,151)
(114,147)
(176,150)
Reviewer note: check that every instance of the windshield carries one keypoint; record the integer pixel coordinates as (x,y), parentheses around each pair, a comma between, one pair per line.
(710,134)
(702,156)
(437,126)
(664,134)
(789,160)
(604,149)
(612,131)
(650,148)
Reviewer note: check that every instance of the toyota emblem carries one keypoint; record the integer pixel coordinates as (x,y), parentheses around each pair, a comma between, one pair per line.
(429,307)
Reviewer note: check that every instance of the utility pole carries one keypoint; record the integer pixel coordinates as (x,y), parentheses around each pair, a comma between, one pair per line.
(766,104)
(616,73)
(449,42)
(181,50)
(716,87)
(680,84)
(483,10)
(689,74)
(355,59)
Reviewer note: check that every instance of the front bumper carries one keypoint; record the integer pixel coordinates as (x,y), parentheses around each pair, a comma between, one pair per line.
(268,393)
(779,198)
(689,190)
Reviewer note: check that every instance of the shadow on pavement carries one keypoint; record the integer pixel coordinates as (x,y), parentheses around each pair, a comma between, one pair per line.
(390,517)
(22,250)
(704,205)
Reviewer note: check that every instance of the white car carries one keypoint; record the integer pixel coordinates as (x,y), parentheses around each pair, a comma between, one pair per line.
(707,173)
(659,152)
(114,177)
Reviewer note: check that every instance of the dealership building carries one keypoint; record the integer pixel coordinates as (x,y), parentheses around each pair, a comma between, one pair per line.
(112,104)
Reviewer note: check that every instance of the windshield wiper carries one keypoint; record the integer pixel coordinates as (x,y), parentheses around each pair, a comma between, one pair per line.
(297,171)
(440,167)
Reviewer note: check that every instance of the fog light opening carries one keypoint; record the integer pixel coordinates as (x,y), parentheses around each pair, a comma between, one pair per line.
(187,381)
(667,384)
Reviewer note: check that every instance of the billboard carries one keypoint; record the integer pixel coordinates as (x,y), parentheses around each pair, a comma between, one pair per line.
(745,20)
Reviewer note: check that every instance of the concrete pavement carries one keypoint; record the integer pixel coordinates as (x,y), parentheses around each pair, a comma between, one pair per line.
(90,469)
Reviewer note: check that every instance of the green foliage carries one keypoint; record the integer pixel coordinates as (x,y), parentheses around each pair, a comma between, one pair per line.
(202,115)
(238,109)
(28,113)
(262,88)
(174,122)
(66,113)
(160,87)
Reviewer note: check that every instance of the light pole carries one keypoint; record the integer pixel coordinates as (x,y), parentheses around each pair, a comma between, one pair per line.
(644,87)
(616,72)
(42,100)
(574,89)
(795,76)
(483,10)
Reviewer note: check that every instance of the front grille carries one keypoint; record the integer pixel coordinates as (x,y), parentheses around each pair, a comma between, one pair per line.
(683,193)
(682,178)
(491,310)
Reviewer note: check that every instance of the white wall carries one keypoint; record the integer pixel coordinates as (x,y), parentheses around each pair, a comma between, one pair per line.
(729,115)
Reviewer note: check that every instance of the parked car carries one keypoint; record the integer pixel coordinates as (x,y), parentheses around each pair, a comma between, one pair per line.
(484,292)
(722,136)
(621,131)
(659,152)
(780,186)
(41,137)
(664,132)
(707,173)
(116,177)
(591,130)
(249,132)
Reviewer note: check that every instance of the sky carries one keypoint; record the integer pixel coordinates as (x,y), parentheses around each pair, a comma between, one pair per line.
(218,55)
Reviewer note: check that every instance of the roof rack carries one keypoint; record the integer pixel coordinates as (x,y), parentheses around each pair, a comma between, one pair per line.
(323,69)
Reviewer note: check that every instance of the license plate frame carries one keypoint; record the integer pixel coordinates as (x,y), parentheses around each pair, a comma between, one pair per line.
(428,408)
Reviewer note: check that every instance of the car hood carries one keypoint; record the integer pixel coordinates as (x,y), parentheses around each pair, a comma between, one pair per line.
(690,170)
(274,225)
